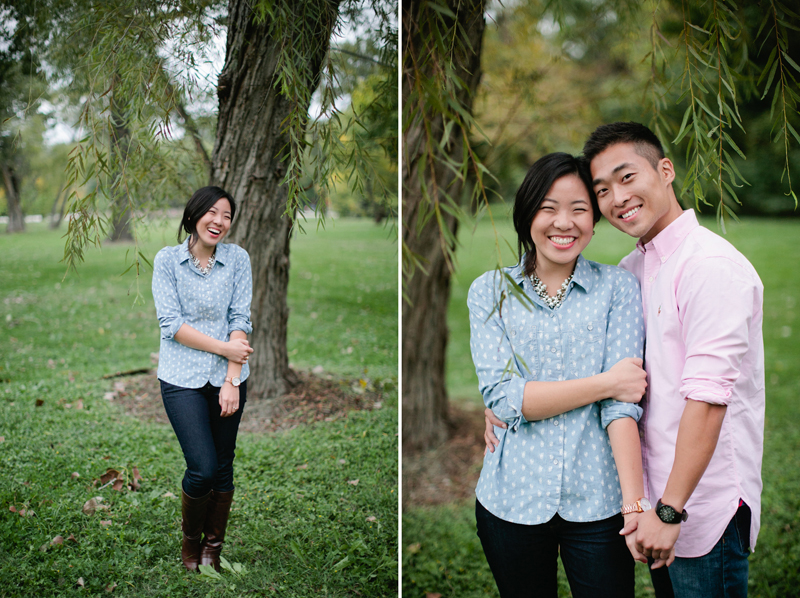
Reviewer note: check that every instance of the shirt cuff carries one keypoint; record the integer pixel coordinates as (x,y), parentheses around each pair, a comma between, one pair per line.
(706,391)
(514,397)
(168,330)
(611,410)
(245,327)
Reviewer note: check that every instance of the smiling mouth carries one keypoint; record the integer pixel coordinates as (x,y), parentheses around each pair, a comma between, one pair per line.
(630,213)
(213,231)
(563,241)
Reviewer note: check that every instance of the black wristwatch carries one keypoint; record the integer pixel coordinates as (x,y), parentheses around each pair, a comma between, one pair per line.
(668,514)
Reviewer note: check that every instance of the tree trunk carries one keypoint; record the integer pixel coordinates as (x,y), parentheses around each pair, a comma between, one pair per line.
(121,210)
(55,214)
(425,411)
(248,163)
(16,220)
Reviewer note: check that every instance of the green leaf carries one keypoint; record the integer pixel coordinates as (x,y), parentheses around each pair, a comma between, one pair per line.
(683,128)
(733,145)
(790,61)
(342,564)
(208,571)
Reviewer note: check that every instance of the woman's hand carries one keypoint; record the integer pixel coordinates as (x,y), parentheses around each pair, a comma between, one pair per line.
(237,350)
(631,523)
(228,399)
(629,380)
(488,435)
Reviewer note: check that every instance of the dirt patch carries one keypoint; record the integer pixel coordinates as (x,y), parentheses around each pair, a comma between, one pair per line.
(313,399)
(450,472)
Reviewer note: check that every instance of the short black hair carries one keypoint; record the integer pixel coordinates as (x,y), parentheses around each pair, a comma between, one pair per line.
(199,203)
(645,141)
(540,177)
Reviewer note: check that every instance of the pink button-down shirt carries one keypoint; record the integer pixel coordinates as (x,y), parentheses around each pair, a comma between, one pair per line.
(703,312)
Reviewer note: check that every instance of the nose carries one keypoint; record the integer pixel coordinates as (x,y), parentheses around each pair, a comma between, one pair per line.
(619,195)
(563,220)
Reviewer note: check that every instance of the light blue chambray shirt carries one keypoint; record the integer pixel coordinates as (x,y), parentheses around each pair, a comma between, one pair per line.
(215,304)
(562,464)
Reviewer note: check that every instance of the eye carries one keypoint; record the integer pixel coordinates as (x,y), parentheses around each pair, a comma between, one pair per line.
(600,192)
(627,176)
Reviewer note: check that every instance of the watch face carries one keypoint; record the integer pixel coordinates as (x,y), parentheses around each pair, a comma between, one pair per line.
(236,381)
(645,504)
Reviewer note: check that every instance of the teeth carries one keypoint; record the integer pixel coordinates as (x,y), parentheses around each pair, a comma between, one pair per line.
(562,240)
(213,231)
(630,213)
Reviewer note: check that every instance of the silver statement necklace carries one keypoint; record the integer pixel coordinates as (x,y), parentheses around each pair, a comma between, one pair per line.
(211,261)
(541,290)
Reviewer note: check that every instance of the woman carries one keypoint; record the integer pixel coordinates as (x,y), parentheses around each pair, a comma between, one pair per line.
(556,342)
(202,290)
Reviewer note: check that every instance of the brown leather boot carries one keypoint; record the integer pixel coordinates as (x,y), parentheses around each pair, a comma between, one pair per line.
(219,506)
(193,518)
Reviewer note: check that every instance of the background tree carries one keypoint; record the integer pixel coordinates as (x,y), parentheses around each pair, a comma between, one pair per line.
(441,71)
(701,74)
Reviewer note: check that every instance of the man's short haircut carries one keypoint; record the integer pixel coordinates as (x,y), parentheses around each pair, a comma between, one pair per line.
(644,140)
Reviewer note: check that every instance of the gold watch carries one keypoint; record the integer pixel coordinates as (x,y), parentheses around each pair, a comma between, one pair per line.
(640,506)
(235,380)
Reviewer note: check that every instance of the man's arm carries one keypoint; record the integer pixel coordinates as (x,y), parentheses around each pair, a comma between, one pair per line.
(697,439)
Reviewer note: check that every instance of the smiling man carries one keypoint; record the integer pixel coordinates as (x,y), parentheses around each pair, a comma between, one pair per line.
(703,425)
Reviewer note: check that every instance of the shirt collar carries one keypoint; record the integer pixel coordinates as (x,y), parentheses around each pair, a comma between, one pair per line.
(222,252)
(668,240)
(583,275)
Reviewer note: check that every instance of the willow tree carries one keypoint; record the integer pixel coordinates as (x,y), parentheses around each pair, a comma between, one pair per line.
(441,71)
(277,56)
(704,59)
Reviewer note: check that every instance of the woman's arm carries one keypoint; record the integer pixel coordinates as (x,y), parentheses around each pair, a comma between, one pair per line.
(236,349)
(626,381)
(623,434)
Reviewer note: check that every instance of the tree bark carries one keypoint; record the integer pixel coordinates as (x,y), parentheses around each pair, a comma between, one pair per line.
(425,410)
(121,210)
(247,161)
(16,220)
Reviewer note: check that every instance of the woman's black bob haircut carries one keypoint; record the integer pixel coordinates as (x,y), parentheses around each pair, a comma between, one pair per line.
(197,206)
(541,176)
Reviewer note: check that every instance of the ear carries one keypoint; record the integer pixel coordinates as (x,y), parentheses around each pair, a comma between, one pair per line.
(666,170)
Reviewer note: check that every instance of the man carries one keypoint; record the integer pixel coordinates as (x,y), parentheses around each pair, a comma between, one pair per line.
(703,424)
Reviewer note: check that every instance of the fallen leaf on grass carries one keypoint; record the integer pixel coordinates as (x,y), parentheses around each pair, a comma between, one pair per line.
(79,583)
(110,396)
(57,540)
(432,595)
(79,404)
(12,508)
(72,538)
(51,364)
(303,466)
(105,522)
(109,475)
(342,461)
(2,438)
(413,548)
(92,505)
(353,482)
(110,587)
(168,495)
(75,475)
(39,402)
(372,518)
(119,386)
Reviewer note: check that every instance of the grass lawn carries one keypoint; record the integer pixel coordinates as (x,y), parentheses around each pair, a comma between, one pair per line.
(315,510)
(445,556)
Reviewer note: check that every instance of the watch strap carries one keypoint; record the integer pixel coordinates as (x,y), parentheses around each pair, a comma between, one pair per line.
(633,507)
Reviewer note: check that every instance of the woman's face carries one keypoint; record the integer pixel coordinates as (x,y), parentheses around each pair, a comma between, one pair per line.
(563,225)
(214,224)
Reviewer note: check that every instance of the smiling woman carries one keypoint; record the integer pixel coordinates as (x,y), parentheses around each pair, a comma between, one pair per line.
(202,290)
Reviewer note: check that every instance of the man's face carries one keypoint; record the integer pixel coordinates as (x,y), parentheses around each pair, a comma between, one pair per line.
(635,197)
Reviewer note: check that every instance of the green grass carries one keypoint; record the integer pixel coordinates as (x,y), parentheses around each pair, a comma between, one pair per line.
(446,535)
(299,526)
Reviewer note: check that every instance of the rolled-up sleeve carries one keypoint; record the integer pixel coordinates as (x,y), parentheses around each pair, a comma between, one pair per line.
(717,316)
(165,295)
(624,338)
(239,309)
(500,380)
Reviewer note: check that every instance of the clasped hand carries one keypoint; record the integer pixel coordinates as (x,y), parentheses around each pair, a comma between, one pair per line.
(237,350)
(648,536)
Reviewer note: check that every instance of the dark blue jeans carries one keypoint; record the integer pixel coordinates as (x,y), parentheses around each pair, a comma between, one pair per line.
(722,573)
(208,440)
(523,558)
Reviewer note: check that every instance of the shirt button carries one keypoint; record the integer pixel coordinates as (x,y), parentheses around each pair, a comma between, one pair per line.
(513,333)
(555,422)
(555,461)
(589,327)
(650,279)
(553,350)
(663,259)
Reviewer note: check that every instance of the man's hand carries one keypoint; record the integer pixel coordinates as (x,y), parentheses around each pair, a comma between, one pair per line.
(488,435)
(228,399)
(631,524)
(656,539)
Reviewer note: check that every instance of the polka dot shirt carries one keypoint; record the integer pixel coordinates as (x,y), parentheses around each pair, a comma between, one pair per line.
(562,464)
(215,304)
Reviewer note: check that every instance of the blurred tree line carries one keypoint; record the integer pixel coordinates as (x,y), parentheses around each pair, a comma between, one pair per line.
(549,79)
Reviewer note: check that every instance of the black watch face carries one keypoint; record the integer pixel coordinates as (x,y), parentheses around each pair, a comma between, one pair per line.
(667,514)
